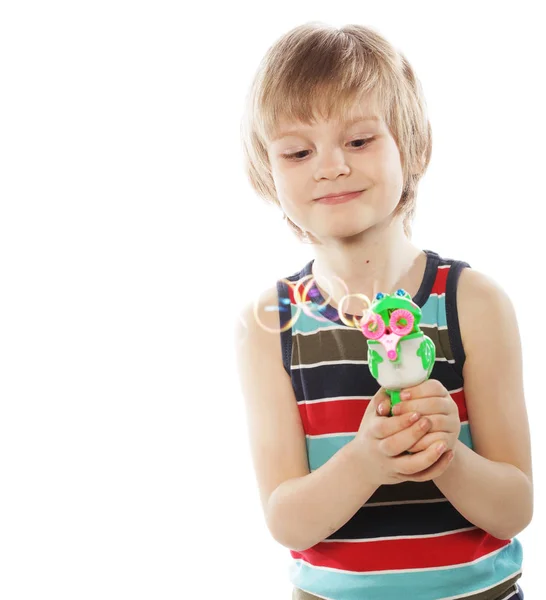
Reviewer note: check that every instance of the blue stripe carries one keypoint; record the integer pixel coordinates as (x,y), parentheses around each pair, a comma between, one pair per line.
(321,449)
(465,436)
(424,584)
(308,324)
(434,311)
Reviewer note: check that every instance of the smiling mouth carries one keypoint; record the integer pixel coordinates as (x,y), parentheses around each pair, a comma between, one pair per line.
(340,199)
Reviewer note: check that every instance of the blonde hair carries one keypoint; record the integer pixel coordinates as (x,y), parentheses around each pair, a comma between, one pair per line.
(317,68)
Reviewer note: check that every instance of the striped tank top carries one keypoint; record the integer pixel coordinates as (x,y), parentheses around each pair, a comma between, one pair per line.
(407,538)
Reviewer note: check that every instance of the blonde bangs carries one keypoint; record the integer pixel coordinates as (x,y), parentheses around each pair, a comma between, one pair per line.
(307,88)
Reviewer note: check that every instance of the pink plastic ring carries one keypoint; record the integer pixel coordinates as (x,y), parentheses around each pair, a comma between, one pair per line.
(378,327)
(396,317)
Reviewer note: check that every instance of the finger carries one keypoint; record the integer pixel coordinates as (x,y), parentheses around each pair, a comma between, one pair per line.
(399,442)
(435,470)
(375,401)
(441,423)
(384,407)
(384,428)
(379,397)
(430,387)
(410,464)
(426,406)
(427,440)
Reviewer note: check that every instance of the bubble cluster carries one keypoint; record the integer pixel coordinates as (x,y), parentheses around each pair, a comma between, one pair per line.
(304,292)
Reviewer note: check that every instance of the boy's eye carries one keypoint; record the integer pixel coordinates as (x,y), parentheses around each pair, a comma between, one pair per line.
(296,155)
(362,142)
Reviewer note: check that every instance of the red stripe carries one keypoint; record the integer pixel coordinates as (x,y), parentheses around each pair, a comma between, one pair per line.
(301,290)
(332,416)
(461,404)
(439,286)
(344,415)
(291,294)
(420,553)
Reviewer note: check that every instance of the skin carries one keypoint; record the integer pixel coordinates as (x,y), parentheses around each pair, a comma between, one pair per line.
(492,485)
(330,158)
(361,242)
(364,155)
(364,244)
(302,508)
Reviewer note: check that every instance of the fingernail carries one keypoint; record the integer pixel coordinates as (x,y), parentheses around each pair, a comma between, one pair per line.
(414,417)
(405,395)
(380,409)
(441,448)
(425,424)
(396,409)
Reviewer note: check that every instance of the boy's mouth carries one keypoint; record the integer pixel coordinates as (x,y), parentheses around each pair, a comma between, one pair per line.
(339,199)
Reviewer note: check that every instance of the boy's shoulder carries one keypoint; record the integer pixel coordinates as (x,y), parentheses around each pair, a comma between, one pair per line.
(476,290)
(484,308)
(258,317)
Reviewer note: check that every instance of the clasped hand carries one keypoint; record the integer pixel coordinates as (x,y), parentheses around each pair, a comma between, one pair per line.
(416,443)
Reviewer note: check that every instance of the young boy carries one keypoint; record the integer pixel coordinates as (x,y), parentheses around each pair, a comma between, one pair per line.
(427,502)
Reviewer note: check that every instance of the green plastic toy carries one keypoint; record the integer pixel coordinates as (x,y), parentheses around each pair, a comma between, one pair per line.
(400,355)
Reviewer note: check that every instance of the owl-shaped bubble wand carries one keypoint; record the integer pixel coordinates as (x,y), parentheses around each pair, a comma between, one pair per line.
(400,355)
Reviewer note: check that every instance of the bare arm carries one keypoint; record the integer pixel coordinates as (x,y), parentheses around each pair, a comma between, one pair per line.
(492,484)
(301,508)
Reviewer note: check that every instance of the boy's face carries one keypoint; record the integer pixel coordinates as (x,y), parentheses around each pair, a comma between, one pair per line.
(331,157)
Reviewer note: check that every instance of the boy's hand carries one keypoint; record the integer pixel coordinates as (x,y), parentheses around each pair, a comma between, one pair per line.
(431,399)
(382,443)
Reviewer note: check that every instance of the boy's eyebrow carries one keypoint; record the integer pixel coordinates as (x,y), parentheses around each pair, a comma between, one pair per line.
(348,123)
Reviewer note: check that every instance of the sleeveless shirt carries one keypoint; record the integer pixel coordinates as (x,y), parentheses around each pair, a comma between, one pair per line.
(407,540)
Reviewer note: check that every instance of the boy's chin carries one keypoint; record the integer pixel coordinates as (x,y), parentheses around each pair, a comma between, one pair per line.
(350,230)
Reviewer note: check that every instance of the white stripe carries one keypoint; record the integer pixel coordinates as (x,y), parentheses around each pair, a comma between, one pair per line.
(339,434)
(486,588)
(336,398)
(393,571)
(330,362)
(353,362)
(334,326)
(329,435)
(315,595)
(451,361)
(404,537)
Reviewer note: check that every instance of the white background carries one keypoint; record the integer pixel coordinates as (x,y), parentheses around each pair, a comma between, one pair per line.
(129,239)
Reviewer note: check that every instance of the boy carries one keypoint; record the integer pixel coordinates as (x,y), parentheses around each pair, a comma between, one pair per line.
(371,506)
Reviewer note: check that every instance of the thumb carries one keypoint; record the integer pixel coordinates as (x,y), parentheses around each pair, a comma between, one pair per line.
(380,403)
(383,403)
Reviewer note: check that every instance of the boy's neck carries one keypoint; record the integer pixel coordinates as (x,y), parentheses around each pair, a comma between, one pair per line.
(381,259)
